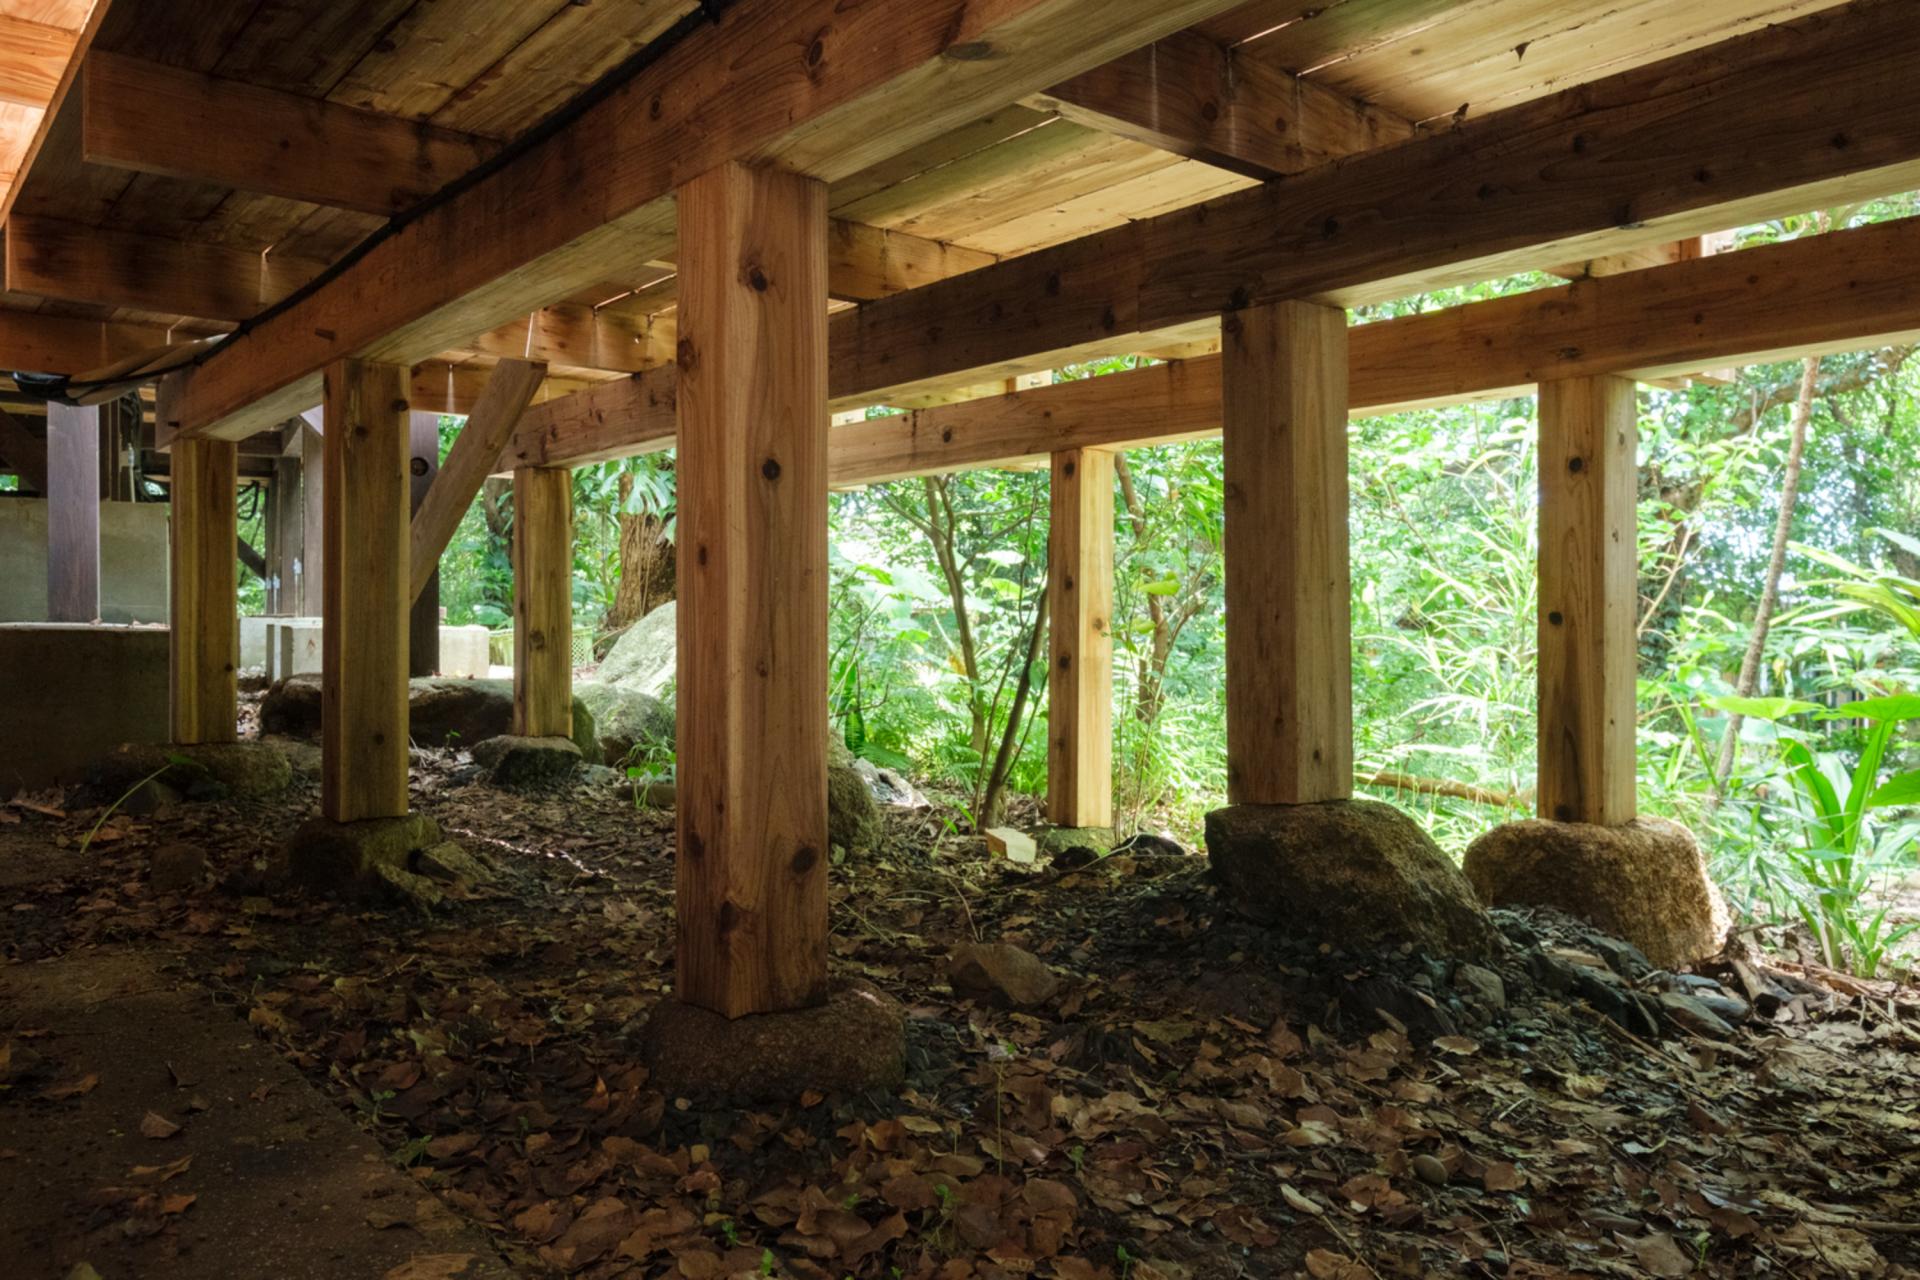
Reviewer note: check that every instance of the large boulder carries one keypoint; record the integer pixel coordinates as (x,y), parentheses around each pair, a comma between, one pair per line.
(624,718)
(645,657)
(441,712)
(1645,881)
(1348,873)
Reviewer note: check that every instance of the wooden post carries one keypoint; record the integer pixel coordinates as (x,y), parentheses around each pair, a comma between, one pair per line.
(204,641)
(423,621)
(752,472)
(363,700)
(313,523)
(1080,617)
(1289,655)
(286,538)
(73,513)
(543,602)
(1588,598)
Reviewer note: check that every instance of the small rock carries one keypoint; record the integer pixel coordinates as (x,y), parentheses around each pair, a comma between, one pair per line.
(853,821)
(447,862)
(1623,958)
(1073,857)
(1729,1008)
(1481,985)
(1430,1170)
(1002,972)
(1148,842)
(1379,999)
(514,761)
(178,867)
(1690,1013)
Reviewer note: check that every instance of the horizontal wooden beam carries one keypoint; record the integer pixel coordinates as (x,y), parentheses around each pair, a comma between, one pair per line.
(158,119)
(1230,108)
(113,268)
(580,337)
(35,343)
(818,87)
(864,263)
(1827,293)
(1821,109)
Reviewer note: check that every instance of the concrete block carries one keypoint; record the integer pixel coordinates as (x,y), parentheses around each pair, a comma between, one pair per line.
(73,693)
(133,561)
(297,648)
(463,652)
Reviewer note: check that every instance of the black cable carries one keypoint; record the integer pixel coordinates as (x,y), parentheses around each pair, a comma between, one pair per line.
(708,12)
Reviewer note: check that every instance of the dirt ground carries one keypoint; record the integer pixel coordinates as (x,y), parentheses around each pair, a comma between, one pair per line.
(217,1081)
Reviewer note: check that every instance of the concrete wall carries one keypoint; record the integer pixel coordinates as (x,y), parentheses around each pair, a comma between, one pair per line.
(133,561)
(72,693)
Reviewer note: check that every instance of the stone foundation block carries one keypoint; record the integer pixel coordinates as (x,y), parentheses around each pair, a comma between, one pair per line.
(368,858)
(513,761)
(854,1042)
(204,771)
(1350,873)
(1645,881)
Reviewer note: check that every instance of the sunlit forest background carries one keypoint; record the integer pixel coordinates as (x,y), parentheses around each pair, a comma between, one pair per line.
(1779,659)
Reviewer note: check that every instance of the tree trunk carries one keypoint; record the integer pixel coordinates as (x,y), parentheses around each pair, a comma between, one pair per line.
(993,795)
(1776,565)
(646,570)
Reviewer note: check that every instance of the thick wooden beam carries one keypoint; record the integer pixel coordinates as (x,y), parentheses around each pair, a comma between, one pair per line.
(33,56)
(363,664)
(203,653)
(1080,636)
(1814,111)
(1230,108)
(36,343)
(73,514)
(1820,294)
(543,602)
(1589,598)
(157,119)
(580,337)
(751,766)
(1288,606)
(112,268)
(833,88)
(423,616)
(476,451)
(23,453)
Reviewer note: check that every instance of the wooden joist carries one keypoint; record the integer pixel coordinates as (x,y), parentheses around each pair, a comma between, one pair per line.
(1230,108)
(1817,110)
(36,343)
(473,456)
(33,56)
(832,87)
(114,268)
(1825,293)
(157,119)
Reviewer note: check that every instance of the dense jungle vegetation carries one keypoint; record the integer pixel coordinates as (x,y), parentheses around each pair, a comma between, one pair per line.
(1779,627)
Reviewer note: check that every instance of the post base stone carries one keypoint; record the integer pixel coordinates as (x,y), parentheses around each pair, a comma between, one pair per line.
(1645,881)
(1354,874)
(398,859)
(854,1042)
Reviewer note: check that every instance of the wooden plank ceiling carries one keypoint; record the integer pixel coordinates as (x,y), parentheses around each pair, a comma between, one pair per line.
(1019,180)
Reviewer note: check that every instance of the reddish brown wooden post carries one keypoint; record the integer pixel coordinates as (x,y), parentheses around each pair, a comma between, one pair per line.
(204,646)
(751,767)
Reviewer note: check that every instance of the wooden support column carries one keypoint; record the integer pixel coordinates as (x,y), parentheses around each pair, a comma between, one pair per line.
(313,523)
(543,602)
(1588,597)
(203,590)
(423,622)
(73,513)
(1289,651)
(286,525)
(1080,617)
(752,472)
(363,700)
